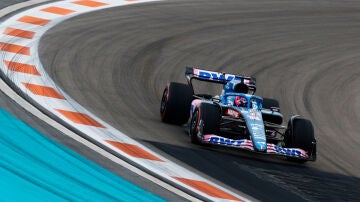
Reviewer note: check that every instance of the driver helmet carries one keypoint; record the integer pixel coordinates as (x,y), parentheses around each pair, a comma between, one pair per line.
(240,101)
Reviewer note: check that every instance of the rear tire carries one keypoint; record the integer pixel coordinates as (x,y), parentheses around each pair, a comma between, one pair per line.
(175,103)
(205,120)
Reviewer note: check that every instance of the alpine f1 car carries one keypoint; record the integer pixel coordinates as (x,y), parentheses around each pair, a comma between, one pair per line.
(236,118)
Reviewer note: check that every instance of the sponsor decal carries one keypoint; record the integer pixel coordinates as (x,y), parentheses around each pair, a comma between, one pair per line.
(254,115)
(215,75)
(233,113)
(247,144)
(289,151)
(256,126)
(258,136)
(254,104)
(225,141)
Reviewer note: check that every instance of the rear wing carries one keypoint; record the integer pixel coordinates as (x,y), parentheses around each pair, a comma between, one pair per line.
(218,77)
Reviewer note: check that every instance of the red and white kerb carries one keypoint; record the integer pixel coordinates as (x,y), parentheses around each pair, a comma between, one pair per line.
(19,40)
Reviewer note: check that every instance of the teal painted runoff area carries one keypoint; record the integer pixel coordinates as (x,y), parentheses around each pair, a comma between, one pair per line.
(35,168)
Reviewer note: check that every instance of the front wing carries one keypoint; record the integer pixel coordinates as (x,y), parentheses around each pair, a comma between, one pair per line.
(248,145)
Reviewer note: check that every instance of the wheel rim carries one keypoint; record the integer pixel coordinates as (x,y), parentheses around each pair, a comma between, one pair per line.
(194,123)
(196,130)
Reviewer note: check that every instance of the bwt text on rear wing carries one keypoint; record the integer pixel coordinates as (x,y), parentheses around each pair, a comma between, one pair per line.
(217,77)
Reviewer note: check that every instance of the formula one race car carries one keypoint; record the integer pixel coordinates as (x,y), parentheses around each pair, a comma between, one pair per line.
(236,118)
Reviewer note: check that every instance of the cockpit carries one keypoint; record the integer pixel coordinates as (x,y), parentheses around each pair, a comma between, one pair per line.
(242,100)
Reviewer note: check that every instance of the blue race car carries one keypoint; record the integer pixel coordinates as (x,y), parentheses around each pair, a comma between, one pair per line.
(236,118)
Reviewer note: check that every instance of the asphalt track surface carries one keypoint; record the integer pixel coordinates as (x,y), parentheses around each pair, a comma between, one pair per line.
(116,63)
(5,3)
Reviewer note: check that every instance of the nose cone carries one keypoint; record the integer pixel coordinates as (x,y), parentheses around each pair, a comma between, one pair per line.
(257,132)
(260,146)
(256,128)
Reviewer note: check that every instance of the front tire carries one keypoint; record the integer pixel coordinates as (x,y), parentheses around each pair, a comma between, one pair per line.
(205,120)
(300,134)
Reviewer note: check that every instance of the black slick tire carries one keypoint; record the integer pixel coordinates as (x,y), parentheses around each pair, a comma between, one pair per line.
(175,103)
(300,134)
(205,120)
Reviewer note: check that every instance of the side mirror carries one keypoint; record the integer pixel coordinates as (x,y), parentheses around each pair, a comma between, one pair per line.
(275,109)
